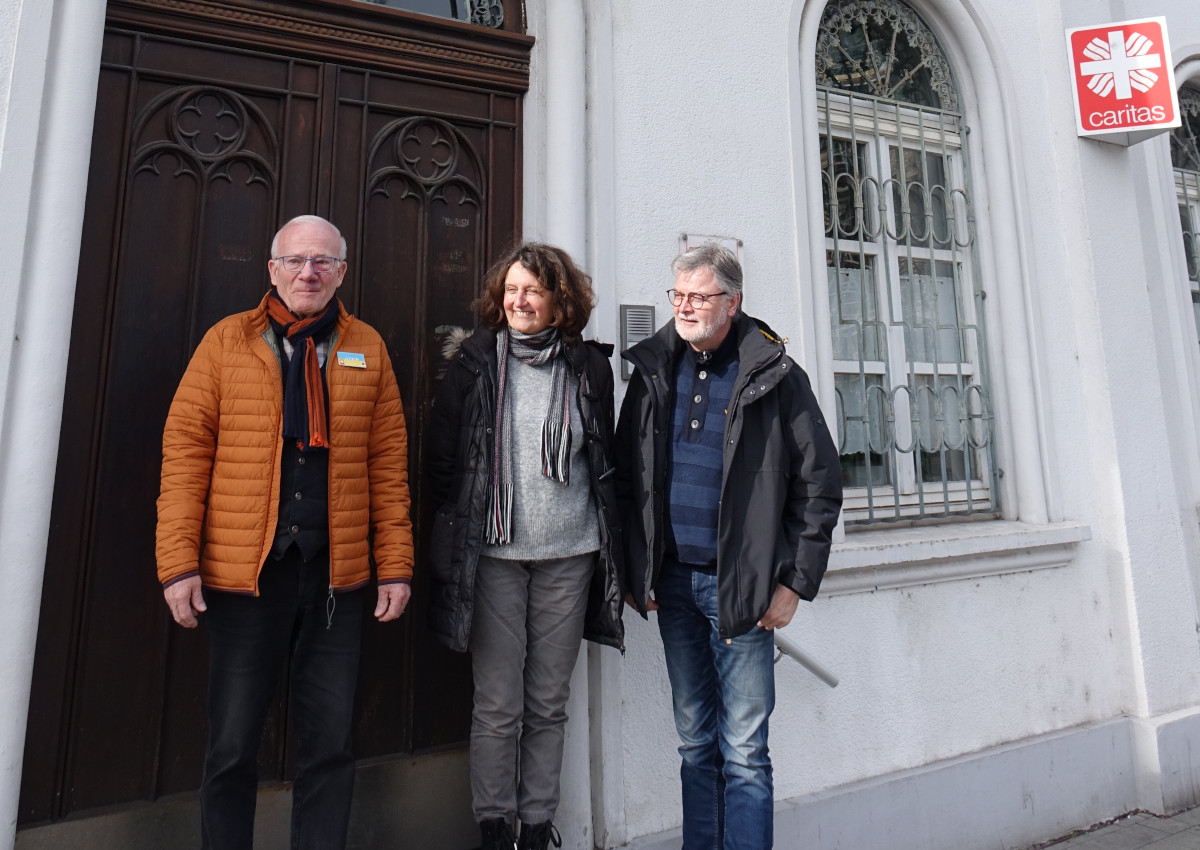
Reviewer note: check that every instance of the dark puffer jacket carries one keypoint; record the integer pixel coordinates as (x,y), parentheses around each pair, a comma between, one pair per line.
(459,462)
(781,488)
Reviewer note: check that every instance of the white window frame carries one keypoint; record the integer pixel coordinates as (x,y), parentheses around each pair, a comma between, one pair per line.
(888,126)
(1187,194)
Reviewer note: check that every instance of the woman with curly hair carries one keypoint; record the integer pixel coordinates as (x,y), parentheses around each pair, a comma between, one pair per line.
(526,535)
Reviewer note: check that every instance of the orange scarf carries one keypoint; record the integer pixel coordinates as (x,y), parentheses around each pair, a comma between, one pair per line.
(303,388)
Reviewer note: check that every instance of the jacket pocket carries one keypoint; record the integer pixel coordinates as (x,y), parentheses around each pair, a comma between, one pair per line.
(442,546)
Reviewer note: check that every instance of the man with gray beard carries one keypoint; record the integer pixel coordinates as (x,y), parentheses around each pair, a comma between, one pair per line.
(732,486)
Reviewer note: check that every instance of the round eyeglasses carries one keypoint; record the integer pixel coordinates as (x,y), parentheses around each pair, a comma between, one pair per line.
(695,299)
(293,263)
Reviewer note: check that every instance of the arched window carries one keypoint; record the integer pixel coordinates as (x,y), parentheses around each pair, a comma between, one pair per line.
(1185,156)
(914,411)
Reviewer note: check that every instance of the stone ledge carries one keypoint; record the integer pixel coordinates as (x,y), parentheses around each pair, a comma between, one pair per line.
(883,559)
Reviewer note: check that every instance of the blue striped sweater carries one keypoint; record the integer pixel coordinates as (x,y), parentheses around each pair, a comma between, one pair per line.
(703,388)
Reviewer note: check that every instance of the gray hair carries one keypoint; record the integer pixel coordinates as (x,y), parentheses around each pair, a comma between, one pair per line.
(308,219)
(726,269)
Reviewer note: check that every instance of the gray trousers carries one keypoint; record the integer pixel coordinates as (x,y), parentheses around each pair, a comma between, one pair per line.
(525,636)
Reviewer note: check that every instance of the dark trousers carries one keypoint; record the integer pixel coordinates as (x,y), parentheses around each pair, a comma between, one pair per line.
(250,639)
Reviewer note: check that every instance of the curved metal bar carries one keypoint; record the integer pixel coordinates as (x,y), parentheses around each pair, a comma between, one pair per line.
(919,420)
(788,647)
(899,233)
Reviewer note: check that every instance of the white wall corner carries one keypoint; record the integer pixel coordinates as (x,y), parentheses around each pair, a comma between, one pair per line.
(574,817)
(566,127)
(43,180)
(1167,760)
(601,258)
(533,129)
(607,762)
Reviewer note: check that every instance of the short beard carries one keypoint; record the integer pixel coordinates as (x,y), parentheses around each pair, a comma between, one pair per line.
(700,334)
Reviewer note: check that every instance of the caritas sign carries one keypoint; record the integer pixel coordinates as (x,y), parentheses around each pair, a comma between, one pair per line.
(1124,83)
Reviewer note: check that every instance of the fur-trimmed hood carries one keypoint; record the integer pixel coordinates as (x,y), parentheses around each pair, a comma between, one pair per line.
(453,336)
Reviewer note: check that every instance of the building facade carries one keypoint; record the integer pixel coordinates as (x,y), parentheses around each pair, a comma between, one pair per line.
(999,316)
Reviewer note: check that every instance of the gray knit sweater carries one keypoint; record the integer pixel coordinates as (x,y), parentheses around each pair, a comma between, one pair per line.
(550,519)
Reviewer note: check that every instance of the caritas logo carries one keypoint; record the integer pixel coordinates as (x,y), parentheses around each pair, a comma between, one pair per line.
(1123,77)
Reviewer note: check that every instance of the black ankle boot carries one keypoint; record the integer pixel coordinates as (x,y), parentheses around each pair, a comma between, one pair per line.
(496,834)
(538,836)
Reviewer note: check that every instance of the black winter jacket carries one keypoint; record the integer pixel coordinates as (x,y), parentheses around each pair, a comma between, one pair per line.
(781,488)
(459,461)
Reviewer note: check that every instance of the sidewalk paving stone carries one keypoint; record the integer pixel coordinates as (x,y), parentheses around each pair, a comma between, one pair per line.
(1136,831)
(1186,840)
(1126,837)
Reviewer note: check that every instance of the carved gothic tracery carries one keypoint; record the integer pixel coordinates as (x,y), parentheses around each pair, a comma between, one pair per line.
(427,156)
(487,13)
(881,48)
(206,134)
(1185,139)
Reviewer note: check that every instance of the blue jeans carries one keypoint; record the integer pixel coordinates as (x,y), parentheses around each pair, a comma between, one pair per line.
(723,694)
(251,640)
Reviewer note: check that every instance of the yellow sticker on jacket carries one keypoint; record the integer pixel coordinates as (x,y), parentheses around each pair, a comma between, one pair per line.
(351,359)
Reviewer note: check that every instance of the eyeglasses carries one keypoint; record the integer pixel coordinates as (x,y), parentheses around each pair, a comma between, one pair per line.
(321,265)
(695,299)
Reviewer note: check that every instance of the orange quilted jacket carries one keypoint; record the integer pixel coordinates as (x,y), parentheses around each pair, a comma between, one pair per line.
(222,444)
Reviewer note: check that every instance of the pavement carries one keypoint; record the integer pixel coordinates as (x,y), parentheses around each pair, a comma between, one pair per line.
(1135,831)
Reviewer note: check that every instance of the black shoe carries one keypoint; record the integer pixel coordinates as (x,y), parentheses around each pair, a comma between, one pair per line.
(496,834)
(539,836)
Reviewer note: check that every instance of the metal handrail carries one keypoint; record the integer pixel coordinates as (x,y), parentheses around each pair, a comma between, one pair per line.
(788,647)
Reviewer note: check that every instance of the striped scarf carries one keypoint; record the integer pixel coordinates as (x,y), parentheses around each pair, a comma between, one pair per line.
(303,386)
(533,350)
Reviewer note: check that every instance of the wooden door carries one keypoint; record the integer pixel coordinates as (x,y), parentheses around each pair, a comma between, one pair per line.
(209,134)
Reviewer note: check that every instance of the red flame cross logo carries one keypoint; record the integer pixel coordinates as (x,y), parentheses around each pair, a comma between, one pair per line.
(1122,79)
(1120,64)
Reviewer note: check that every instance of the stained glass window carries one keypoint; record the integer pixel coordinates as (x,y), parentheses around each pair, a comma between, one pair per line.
(914,415)
(1185,156)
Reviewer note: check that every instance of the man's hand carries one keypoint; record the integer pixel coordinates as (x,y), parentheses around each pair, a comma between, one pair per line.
(651,605)
(783,606)
(185,600)
(393,599)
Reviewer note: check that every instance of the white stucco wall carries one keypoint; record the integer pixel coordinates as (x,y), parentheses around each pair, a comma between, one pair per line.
(9,15)
(705,143)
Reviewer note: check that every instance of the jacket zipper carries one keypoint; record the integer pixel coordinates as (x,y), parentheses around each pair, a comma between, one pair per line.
(330,357)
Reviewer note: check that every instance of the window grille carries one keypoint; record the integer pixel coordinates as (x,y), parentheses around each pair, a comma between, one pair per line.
(1185,157)
(484,13)
(914,413)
